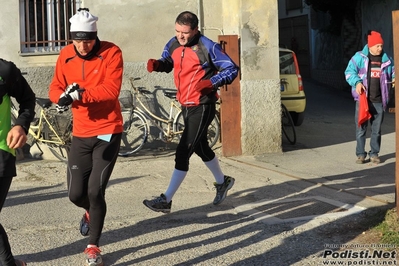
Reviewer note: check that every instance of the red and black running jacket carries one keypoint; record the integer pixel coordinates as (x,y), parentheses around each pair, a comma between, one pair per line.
(199,59)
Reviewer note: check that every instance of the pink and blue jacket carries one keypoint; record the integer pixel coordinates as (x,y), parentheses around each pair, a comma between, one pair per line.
(357,71)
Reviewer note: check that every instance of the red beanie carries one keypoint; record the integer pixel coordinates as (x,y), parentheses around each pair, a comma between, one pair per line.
(374,38)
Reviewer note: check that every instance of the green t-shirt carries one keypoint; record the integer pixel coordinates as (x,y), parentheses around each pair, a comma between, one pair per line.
(5,123)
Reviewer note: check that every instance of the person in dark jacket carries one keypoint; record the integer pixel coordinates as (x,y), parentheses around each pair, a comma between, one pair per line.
(200,66)
(12,84)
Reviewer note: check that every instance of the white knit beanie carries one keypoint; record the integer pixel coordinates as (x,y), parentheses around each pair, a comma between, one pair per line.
(83,25)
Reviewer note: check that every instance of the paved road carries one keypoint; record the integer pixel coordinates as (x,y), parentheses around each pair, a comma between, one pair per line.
(325,150)
(283,210)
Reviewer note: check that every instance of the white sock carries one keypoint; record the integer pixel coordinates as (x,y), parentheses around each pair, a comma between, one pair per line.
(175,182)
(214,167)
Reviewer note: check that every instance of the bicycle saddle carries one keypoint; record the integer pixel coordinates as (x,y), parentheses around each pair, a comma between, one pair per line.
(44,102)
(170,94)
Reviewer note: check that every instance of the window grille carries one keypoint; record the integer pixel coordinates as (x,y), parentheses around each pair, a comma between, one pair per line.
(45,25)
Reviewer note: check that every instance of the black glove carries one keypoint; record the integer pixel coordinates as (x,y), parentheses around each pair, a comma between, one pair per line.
(61,109)
(73,93)
(65,100)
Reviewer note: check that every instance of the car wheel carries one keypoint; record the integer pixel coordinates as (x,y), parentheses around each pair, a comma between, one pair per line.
(297,118)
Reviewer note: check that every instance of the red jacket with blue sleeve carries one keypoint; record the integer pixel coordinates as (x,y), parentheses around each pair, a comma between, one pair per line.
(199,59)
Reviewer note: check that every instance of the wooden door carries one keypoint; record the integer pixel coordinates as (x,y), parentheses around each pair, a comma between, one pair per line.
(230,109)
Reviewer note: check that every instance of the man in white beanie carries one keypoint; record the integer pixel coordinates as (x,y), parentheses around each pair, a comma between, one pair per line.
(88,77)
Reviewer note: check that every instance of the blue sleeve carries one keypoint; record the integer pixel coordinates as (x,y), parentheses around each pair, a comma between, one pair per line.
(227,69)
(166,62)
(352,71)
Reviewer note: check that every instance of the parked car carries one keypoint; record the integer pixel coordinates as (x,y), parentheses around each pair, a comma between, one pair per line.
(292,93)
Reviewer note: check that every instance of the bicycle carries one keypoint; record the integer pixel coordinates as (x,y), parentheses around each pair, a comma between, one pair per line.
(287,125)
(51,127)
(138,116)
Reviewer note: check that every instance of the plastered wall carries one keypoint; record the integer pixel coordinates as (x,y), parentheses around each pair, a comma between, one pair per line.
(260,92)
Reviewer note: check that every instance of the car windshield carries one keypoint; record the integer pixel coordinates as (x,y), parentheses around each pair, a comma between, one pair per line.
(287,65)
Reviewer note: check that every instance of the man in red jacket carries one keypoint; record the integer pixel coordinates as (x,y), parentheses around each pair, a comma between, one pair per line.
(200,66)
(88,76)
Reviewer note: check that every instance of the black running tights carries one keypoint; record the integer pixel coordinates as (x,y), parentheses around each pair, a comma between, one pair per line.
(194,138)
(90,164)
(6,257)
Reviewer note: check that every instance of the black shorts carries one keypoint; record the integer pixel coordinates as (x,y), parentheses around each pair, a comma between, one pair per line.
(7,164)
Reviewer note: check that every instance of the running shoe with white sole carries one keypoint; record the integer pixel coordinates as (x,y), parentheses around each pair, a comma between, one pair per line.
(221,189)
(159,204)
(93,257)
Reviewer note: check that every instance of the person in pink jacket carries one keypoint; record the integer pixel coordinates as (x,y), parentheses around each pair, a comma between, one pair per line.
(370,71)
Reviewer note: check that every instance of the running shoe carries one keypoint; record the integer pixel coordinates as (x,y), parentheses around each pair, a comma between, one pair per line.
(221,189)
(84,224)
(159,204)
(93,257)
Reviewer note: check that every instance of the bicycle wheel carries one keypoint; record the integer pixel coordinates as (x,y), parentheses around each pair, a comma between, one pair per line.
(135,132)
(14,113)
(287,125)
(13,117)
(213,129)
(178,125)
(60,151)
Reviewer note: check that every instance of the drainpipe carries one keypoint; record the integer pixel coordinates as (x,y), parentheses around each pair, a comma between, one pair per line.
(200,16)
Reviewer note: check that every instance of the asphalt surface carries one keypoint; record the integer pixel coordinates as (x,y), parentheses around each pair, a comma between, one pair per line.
(284,209)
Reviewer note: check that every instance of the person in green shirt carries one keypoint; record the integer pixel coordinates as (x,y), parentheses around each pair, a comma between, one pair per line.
(12,84)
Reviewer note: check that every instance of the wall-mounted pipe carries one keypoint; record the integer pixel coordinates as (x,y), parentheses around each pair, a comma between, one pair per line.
(200,15)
